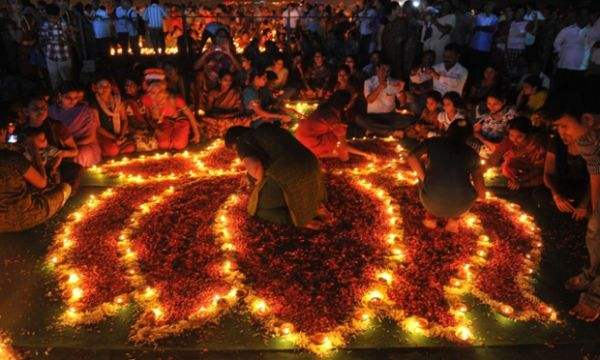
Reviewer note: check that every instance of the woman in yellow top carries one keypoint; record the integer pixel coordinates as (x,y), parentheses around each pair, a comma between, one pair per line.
(532,96)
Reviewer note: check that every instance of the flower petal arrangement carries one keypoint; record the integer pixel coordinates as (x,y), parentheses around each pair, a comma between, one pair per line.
(175,238)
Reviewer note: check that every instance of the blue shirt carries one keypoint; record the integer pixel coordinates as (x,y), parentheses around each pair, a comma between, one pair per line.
(154,16)
(482,40)
(101,24)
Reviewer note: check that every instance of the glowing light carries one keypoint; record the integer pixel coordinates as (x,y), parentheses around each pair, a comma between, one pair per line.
(386,276)
(227,266)
(158,313)
(76,294)
(471,220)
(286,328)
(374,296)
(119,300)
(149,292)
(73,278)
(413,325)
(259,306)
(464,333)
(506,309)
(481,253)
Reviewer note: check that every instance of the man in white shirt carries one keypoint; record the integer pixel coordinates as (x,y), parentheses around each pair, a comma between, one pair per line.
(126,27)
(449,75)
(381,92)
(436,30)
(573,45)
(290,17)
(101,26)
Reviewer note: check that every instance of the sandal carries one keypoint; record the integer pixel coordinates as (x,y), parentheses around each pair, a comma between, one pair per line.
(577,283)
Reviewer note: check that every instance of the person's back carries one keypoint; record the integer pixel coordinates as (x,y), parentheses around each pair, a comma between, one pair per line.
(450,164)
(279,144)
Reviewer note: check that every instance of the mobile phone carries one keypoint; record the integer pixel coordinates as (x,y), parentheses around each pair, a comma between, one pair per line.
(12,139)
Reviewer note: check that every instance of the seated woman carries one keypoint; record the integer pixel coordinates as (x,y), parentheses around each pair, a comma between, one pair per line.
(289,187)
(428,124)
(317,78)
(532,96)
(452,180)
(253,105)
(223,108)
(141,127)
(479,92)
(170,114)
(344,82)
(452,106)
(57,136)
(491,127)
(114,127)
(20,207)
(566,179)
(282,73)
(82,122)
(523,164)
(323,131)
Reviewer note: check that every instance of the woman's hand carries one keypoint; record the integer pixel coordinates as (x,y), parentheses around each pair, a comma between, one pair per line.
(580,214)
(513,185)
(196,137)
(562,204)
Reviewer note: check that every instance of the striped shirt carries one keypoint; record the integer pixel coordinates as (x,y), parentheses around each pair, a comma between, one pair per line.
(589,147)
(126,21)
(154,16)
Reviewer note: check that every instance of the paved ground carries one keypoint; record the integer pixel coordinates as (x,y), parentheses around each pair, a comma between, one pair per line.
(29,305)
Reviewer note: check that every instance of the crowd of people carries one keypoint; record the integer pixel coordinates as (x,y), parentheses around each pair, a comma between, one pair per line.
(460,84)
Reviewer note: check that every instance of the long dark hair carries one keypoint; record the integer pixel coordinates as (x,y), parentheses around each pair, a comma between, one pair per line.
(459,131)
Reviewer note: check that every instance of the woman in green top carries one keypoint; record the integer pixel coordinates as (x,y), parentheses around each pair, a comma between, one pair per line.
(453,179)
(289,187)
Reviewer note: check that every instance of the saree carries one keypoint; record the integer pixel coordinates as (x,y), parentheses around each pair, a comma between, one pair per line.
(321,132)
(525,163)
(82,121)
(292,174)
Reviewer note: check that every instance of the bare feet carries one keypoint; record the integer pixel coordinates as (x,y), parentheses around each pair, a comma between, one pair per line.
(577,283)
(314,225)
(325,215)
(585,312)
(430,222)
(452,226)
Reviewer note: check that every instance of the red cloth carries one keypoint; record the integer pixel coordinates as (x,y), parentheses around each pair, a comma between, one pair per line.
(110,148)
(322,131)
(173,135)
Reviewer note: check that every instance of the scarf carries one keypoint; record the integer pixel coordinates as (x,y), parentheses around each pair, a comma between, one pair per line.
(114,113)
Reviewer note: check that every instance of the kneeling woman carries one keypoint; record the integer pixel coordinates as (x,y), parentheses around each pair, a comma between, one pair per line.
(324,133)
(453,179)
(289,187)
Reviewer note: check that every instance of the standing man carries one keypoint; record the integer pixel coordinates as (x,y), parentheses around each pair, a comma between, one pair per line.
(154,16)
(126,27)
(101,25)
(290,18)
(581,129)
(367,21)
(486,24)
(56,42)
(573,45)
(437,28)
